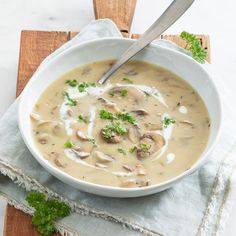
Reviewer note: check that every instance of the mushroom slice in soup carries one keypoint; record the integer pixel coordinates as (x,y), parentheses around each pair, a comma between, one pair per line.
(109,104)
(129,183)
(102,157)
(128,168)
(82,136)
(35,117)
(136,93)
(134,134)
(140,170)
(99,165)
(44,138)
(140,112)
(80,154)
(59,130)
(150,143)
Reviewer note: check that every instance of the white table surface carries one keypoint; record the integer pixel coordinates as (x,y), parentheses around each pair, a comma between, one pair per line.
(213,17)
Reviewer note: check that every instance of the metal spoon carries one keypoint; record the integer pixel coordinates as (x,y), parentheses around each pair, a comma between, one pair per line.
(171,14)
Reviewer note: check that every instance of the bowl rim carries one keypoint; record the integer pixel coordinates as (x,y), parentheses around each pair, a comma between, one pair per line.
(49,167)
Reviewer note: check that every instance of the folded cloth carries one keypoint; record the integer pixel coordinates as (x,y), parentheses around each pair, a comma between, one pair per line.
(195,206)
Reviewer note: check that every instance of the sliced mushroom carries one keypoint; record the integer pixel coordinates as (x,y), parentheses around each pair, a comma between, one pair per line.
(35,117)
(82,136)
(128,168)
(140,170)
(129,183)
(58,163)
(69,112)
(59,130)
(134,134)
(100,165)
(140,112)
(80,154)
(143,183)
(102,157)
(186,123)
(153,126)
(44,138)
(113,139)
(153,139)
(136,93)
(109,104)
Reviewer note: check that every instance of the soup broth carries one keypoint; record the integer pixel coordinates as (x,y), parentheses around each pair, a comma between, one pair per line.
(145,125)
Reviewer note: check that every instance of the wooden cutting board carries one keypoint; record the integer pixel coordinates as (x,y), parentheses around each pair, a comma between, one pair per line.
(36,45)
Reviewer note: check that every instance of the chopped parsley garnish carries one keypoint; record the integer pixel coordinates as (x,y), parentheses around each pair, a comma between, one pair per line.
(72,83)
(83,86)
(84,119)
(106,115)
(133,149)
(70,102)
(121,150)
(112,94)
(194,46)
(145,146)
(93,141)
(114,128)
(125,116)
(123,92)
(167,121)
(46,212)
(129,81)
(69,144)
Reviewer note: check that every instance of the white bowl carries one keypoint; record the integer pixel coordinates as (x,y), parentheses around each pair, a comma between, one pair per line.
(109,48)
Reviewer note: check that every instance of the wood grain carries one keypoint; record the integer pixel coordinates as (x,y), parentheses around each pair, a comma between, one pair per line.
(35,46)
(120,11)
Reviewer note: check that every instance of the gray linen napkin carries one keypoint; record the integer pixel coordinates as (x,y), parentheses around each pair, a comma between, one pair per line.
(193,207)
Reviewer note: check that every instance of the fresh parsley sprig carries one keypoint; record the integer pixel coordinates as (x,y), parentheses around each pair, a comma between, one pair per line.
(194,46)
(114,128)
(46,212)
(168,121)
(125,116)
(106,115)
(70,102)
(84,119)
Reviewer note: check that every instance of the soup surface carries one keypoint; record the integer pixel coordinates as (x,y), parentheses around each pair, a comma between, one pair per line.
(143,127)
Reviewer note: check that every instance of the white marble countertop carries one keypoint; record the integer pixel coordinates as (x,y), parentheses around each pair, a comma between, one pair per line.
(215,18)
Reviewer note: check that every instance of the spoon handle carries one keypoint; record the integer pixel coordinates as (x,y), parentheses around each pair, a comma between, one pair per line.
(171,14)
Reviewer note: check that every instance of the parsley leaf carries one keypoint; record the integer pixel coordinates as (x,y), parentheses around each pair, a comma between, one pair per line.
(115,128)
(194,46)
(133,149)
(167,121)
(106,115)
(84,119)
(125,116)
(121,150)
(93,141)
(83,86)
(70,101)
(112,94)
(46,212)
(144,146)
(69,144)
(123,93)
(72,83)
(129,81)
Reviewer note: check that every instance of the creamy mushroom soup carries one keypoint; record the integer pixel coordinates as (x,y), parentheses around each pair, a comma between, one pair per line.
(144,126)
